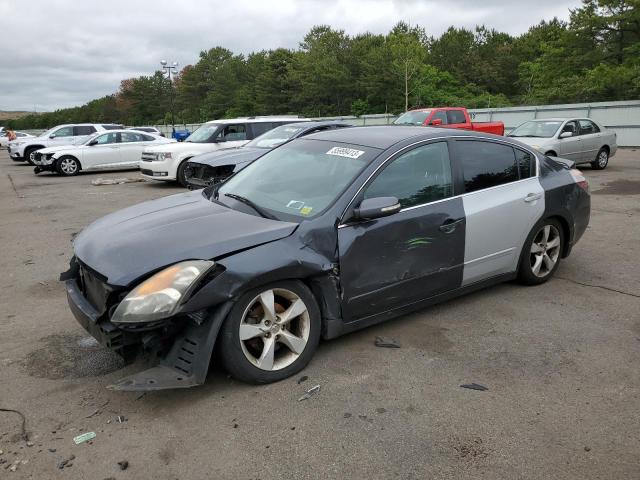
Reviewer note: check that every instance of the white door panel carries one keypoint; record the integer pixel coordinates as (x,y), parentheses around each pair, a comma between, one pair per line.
(498,220)
(97,156)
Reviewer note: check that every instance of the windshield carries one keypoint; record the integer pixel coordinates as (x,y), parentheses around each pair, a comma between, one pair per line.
(300,179)
(48,132)
(203,134)
(275,137)
(413,118)
(91,137)
(543,129)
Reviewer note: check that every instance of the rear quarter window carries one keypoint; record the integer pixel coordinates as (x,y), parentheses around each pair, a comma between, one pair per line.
(485,164)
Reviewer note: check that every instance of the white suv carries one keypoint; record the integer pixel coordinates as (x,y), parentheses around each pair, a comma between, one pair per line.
(168,162)
(24,149)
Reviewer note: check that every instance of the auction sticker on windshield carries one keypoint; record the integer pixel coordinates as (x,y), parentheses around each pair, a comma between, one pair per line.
(345,152)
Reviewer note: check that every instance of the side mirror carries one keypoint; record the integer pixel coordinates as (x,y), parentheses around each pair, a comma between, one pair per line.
(566,135)
(221,140)
(435,122)
(53,135)
(378,207)
(92,143)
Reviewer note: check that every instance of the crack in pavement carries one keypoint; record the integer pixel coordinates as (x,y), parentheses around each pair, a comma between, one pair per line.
(13,185)
(598,286)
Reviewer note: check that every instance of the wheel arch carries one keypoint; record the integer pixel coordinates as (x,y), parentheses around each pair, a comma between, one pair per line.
(566,230)
(61,157)
(551,153)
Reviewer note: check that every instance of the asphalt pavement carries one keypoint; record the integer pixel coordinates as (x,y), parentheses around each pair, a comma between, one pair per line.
(560,362)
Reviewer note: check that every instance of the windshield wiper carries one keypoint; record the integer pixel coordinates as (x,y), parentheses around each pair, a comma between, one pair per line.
(248,202)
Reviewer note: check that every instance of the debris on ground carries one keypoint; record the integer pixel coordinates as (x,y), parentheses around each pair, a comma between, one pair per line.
(385,342)
(123,465)
(475,386)
(67,462)
(309,393)
(303,378)
(587,449)
(84,437)
(23,428)
(347,415)
(121,418)
(116,181)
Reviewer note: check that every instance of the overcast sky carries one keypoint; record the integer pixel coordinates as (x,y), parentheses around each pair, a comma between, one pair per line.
(62,53)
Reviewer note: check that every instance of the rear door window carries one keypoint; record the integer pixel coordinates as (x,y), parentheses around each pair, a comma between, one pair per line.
(419,176)
(81,130)
(130,137)
(587,127)
(456,116)
(258,129)
(485,164)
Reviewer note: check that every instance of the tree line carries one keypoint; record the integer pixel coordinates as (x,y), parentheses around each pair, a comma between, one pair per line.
(594,56)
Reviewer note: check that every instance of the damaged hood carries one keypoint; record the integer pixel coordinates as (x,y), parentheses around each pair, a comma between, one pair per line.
(133,242)
(230,156)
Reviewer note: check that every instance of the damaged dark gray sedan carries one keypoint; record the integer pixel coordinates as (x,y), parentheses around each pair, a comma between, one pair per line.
(320,237)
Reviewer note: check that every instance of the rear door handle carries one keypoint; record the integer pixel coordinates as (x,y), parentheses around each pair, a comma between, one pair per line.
(450,225)
(532,197)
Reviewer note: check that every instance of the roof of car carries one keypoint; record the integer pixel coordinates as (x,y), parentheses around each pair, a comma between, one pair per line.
(318,123)
(258,119)
(384,136)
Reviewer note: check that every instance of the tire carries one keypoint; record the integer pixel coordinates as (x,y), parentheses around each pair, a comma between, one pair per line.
(540,259)
(251,360)
(68,166)
(602,159)
(28,152)
(180,173)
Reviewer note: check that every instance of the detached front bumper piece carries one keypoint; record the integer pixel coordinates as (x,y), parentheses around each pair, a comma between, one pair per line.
(184,365)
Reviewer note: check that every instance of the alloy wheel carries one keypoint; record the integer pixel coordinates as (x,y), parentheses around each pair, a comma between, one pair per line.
(274,329)
(545,251)
(68,166)
(603,158)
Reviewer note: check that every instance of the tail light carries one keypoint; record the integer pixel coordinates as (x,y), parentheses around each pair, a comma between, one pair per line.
(580,179)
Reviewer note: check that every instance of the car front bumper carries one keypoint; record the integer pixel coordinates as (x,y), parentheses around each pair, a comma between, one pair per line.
(182,355)
(158,169)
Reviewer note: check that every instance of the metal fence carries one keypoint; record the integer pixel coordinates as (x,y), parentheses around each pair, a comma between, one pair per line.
(622,117)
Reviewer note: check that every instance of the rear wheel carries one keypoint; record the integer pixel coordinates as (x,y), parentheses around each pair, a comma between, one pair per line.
(542,251)
(602,159)
(551,153)
(68,166)
(271,333)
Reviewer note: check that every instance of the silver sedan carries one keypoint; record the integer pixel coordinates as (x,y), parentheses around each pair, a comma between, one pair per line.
(579,139)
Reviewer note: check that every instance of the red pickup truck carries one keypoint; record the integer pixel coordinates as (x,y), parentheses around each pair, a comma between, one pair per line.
(448,117)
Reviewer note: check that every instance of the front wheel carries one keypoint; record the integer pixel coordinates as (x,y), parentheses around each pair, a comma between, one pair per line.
(602,160)
(180,175)
(542,251)
(30,155)
(271,333)
(68,166)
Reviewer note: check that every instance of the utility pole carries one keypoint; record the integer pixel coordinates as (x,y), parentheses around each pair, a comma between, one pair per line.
(169,70)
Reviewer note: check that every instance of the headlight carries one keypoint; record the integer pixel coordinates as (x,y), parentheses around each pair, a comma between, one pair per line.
(537,147)
(17,144)
(159,296)
(164,155)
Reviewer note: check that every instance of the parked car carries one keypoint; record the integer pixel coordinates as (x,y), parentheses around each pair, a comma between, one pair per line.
(448,117)
(581,140)
(210,168)
(169,162)
(115,149)
(322,236)
(4,139)
(24,149)
(152,130)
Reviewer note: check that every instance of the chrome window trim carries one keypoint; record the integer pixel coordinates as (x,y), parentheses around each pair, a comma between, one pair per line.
(384,163)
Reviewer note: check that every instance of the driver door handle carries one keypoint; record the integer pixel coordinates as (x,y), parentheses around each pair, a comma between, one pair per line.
(532,197)
(450,225)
